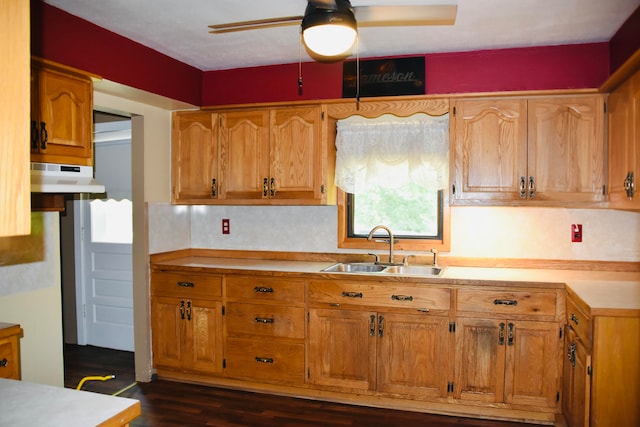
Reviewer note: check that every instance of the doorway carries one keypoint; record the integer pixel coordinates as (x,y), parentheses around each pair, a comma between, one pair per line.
(96,246)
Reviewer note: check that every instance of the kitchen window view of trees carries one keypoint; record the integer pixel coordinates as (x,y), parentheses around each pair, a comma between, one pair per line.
(393,171)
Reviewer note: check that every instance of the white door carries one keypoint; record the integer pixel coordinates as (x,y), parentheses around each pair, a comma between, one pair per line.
(104,269)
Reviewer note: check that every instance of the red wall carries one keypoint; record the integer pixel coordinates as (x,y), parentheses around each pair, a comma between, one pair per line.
(61,37)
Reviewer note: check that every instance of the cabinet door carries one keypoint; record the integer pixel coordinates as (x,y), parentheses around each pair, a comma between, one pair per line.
(566,148)
(489,149)
(194,150)
(64,108)
(168,332)
(624,146)
(577,382)
(533,364)
(341,349)
(413,354)
(203,341)
(480,360)
(244,155)
(296,156)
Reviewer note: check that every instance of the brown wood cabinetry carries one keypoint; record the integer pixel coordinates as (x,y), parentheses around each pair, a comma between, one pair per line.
(361,340)
(251,156)
(61,114)
(624,145)
(508,348)
(602,374)
(14,119)
(186,322)
(529,151)
(10,335)
(265,326)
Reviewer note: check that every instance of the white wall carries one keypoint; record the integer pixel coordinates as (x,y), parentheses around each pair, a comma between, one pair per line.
(477,232)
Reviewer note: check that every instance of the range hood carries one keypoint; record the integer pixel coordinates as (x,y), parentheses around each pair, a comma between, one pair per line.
(60,178)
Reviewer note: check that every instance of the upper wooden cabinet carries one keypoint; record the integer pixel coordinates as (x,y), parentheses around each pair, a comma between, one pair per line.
(512,151)
(61,115)
(624,145)
(252,156)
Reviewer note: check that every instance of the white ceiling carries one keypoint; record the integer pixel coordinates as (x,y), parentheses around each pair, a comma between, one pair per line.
(179,28)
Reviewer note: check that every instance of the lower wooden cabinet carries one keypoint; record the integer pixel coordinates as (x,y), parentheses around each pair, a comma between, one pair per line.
(577,382)
(10,335)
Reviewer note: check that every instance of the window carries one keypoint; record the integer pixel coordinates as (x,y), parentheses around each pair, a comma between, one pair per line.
(393,171)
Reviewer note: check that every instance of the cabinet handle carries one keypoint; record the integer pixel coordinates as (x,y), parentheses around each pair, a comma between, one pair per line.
(352,294)
(423,310)
(4,363)
(629,185)
(501,335)
(510,335)
(214,188)
(523,187)
(44,136)
(272,187)
(380,326)
(263,290)
(264,359)
(532,187)
(182,310)
(34,135)
(186,284)
(574,318)
(269,320)
(505,302)
(265,187)
(402,297)
(372,325)
(188,310)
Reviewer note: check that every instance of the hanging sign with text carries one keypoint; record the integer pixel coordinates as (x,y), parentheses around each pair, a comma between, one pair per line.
(384,77)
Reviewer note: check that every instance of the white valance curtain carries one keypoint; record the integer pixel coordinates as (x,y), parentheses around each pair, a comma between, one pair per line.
(391,152)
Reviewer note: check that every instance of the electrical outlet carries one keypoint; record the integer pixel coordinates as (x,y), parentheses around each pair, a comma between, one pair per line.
(225,226)
(576,233)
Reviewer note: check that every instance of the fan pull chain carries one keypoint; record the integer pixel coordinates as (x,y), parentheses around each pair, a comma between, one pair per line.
(357,71)
(300,64)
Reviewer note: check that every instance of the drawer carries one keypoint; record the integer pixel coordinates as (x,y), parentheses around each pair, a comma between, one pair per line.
(264,361)
(579,322)
(186,285)
(265,320)
(418,297)
(507,302)
(9,363)
(259,288)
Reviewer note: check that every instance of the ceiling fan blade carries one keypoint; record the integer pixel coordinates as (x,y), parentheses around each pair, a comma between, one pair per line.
(387,16)
(255,25)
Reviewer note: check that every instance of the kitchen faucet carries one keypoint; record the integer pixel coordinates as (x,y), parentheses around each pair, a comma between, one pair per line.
(390,240)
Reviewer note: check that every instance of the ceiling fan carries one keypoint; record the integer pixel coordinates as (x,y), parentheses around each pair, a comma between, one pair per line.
(329,27)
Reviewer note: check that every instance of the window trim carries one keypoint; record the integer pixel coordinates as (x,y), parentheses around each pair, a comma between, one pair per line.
(344,241)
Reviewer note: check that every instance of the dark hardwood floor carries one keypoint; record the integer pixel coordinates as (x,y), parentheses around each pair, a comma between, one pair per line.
(171,404)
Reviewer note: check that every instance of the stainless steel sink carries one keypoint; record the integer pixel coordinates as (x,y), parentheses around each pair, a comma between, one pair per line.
(369,267)
(354,267)
(419,270)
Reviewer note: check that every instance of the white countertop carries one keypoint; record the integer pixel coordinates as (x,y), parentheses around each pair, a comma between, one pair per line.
(24,404)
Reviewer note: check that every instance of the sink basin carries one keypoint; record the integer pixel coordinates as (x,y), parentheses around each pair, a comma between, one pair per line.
(354,267)
(420,270)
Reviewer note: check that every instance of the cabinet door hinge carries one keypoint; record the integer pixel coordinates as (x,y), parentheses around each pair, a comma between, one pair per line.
(453,189)
(224,363)
(322,116)
(322,189)
(450,387)
(605,107)
(604,190)
(558,396)
(308,373)
(560,337)
(589,371)
(224,310)
(454,111)
(452,326)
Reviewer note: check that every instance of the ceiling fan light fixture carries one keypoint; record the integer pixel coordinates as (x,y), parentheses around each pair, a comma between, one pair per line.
(329,32)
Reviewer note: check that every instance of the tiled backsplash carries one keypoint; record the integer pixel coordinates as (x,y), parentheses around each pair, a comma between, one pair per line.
(484,232)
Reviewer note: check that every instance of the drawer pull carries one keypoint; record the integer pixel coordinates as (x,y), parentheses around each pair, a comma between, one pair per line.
(263,290)
(264,359)
(4,362)
(402,297)
(186,284)
(505,302)
(269,320)
(352,294)
(574,318)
